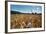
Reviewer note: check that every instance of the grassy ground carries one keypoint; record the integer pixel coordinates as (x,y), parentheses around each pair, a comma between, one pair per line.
(26,21)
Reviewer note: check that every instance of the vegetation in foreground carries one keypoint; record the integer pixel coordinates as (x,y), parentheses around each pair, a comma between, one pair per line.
(26,21)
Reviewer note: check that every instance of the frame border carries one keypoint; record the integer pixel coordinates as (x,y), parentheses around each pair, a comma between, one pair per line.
(6,16)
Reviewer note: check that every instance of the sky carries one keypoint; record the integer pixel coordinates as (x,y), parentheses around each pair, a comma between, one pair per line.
(26,8)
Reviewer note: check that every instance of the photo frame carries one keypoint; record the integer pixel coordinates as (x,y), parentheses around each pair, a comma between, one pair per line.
(21,16)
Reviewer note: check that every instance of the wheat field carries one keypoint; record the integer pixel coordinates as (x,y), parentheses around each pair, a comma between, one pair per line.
(26,21)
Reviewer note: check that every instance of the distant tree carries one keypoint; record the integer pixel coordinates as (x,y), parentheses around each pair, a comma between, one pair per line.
(32,13)
(39,13)
(35,13)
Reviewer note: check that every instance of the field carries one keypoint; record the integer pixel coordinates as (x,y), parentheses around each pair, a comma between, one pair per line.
(26,21)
